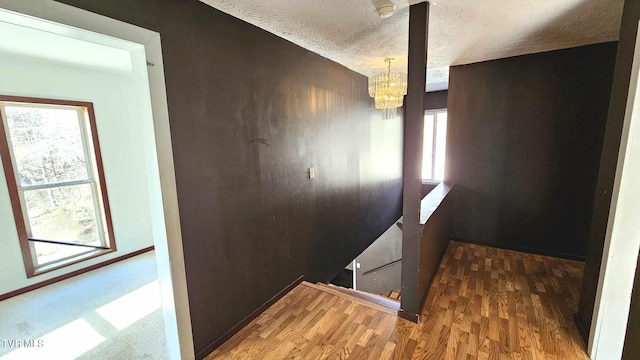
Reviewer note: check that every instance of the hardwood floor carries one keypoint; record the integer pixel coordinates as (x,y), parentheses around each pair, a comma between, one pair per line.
(485,303)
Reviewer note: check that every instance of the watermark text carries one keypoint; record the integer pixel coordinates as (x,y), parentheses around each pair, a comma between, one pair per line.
(21,343)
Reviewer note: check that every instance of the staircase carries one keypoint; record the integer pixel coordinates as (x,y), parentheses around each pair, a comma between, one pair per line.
(395,295)
(383,303)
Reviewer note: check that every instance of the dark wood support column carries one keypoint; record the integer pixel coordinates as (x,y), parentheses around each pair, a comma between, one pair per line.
(412,167)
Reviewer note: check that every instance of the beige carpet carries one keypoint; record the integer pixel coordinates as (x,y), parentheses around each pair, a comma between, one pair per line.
(110,313)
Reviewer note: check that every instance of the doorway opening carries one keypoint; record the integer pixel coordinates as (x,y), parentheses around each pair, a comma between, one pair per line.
(622,243)
(55,51)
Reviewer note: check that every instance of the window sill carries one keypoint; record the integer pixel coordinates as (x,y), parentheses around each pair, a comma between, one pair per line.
(431,182)
(67,262)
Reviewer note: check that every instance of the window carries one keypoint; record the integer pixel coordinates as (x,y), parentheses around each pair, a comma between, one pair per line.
(54,174)
(435,143)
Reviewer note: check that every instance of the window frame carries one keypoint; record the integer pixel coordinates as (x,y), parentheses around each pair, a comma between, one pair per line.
(95,178)
(434,112)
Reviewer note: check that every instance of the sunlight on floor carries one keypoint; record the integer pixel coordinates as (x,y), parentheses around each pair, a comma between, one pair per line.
(66,342)
(126,310)
(79,336)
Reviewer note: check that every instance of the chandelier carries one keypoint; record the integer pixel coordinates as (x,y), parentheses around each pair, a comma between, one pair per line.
(388,89)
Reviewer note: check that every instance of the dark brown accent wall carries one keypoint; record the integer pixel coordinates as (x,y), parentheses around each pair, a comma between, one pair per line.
(523,147)
(608,161)
(435,214)
(249,114)
(435,229)
(435,100)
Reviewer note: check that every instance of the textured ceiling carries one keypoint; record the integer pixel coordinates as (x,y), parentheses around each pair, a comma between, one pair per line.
(460,31)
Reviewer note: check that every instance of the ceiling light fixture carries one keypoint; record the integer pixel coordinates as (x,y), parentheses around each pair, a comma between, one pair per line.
(388,89)
(386,10)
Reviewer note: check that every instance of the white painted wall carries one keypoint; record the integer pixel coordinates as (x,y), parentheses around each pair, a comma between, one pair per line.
(622,241)
(119,107)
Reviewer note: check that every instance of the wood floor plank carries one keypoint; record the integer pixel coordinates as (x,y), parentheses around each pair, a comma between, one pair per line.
(484,303)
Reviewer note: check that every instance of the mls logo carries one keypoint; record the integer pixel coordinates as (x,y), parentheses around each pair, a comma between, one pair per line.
(20,343)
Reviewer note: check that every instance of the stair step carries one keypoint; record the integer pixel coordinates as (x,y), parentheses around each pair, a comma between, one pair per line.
(374,301)
(394,295)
